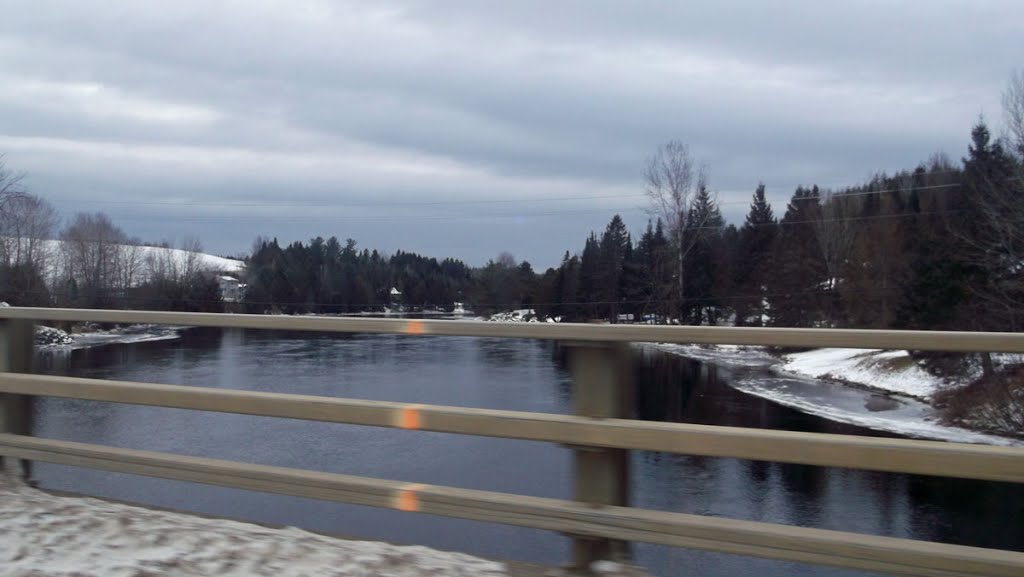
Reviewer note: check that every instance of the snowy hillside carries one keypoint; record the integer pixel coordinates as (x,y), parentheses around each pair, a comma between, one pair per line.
(206,261)
(178,256)
(143,259)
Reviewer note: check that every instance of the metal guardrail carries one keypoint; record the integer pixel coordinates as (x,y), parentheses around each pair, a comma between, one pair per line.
(776,337)
(598,519)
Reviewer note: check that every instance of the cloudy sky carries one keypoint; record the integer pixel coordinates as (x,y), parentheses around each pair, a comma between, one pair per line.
(467,128)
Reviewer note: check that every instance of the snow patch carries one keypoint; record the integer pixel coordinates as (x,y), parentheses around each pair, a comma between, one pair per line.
(48,535)
(616,569)
(126,335)
(909,417)
(51,337)
(732,355)
(893,403)
(891,371)
(516,316)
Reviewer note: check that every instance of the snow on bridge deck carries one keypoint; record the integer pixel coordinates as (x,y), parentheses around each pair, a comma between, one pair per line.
(44,535)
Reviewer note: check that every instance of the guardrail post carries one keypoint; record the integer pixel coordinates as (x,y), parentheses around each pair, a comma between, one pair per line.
(602,388)
(17,339)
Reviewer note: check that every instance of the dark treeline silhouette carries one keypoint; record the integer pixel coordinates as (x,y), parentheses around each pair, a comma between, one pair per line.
(937,247)
(324,276)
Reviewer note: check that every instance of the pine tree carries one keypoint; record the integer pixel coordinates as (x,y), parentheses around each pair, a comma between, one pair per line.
(991,233)
(704,238)
(568,284)
(642,287)
(753,261)
(589,277)
(614,246)
(798,277)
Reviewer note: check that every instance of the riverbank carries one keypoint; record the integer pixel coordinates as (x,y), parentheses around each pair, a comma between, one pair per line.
(86,336)
(882,390)
(892,372)
(47,535)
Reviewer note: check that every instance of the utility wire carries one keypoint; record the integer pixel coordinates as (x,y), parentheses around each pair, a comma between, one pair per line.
(751,297)
(415,218)
(344,204)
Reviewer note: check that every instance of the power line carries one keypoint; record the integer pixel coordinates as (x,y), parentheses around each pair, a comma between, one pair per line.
(777,295)
(344,204)
(834,220)
(439,218)
(353,204)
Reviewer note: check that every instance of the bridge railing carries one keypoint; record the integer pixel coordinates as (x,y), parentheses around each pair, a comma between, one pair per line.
(599,519)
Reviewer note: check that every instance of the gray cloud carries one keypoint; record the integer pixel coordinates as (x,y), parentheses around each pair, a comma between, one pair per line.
(317,104)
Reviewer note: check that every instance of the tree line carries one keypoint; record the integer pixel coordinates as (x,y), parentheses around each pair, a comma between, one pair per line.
(934,247)
(95,264)
(939,246)
(325,276)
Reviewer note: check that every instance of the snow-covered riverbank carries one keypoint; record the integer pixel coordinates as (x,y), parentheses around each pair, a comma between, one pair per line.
(51,339)
(891,371)
(125,335)
(881,390)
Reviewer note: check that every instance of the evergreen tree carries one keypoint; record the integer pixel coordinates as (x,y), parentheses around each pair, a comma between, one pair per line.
(704,239)
(992,233)
(933,293)
(568,287)
(589,278)
(615,246)
(654,266)
(753,261)
(799,276)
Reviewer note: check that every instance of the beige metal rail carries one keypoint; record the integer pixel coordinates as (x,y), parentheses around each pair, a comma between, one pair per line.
(598,519)
(779,337)
(880,454)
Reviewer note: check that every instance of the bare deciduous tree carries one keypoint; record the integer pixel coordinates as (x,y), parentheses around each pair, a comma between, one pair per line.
(128,264)
(672,178)
(91,246)
(192,259)
(1013,110)
(10,184)
(26,222)
(10,192)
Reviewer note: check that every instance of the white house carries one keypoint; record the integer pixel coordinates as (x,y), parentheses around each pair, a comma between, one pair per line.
(231,289)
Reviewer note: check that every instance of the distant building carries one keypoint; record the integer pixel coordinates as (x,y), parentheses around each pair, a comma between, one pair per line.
(231,289)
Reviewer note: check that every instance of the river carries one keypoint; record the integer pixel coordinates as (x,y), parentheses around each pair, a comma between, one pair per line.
(493,373)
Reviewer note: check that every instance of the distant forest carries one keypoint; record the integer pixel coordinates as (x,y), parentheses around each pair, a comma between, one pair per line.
(937,246)
(940,246)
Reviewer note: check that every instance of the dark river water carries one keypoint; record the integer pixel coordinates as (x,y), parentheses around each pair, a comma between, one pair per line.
(494,373)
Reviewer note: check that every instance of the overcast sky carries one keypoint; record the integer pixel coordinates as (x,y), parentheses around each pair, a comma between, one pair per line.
(461,128)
